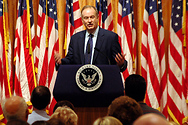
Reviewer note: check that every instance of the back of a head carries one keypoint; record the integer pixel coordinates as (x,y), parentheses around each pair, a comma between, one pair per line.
(135,87)
(66,115)
(15,107)
(40,97)
(40,123)
(125,109)
(17,122)
(107,120)
(55,121)
(63,103)
(151,119)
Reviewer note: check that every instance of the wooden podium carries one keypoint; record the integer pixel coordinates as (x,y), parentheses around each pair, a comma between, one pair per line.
(66,89)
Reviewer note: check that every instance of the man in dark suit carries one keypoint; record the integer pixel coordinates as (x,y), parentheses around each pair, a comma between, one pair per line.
(105,48)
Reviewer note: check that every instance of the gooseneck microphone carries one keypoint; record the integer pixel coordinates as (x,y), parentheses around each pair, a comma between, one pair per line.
(103,55)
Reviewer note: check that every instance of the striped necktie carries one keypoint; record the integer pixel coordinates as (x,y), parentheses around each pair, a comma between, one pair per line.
(89,48)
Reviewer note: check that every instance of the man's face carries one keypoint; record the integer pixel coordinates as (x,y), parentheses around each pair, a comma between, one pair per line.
(90,19)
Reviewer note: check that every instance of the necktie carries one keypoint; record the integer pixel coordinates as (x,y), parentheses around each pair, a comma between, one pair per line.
(89,50)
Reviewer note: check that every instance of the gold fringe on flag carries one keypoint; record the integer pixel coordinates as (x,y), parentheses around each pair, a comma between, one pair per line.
(6,40)
(46,23)
(30,46)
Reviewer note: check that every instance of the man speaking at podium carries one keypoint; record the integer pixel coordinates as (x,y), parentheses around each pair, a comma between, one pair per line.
(94,45)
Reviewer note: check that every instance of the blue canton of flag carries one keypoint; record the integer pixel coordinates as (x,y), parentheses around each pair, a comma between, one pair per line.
(160,13)
(53,11)
(126,7)
(103,7)
(1,8)
(69,10)
(151,6)
(177,15)
(23,6)
(133,21)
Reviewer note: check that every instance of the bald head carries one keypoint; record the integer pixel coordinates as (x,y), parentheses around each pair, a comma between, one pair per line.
(151,119)
(15,107)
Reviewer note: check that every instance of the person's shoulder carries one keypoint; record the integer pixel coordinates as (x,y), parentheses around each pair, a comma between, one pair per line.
(80,33)
(105,31)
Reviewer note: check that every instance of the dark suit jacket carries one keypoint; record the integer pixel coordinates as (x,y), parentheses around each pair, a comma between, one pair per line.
(107,43)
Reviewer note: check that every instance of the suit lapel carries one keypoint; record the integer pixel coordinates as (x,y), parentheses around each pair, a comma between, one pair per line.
(99,43)
(81,45)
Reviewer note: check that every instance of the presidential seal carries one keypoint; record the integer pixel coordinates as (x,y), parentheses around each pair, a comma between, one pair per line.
(89,78)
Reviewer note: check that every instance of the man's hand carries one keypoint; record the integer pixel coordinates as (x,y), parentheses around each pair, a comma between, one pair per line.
(57,57)
(120,58)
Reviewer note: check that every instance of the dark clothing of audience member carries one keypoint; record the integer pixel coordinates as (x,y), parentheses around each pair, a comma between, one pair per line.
(146,109)
(63,103)
(17,122)
(135,87)
(40,123)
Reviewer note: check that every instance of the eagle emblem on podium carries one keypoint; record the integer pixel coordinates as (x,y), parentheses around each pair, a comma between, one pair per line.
(89,78)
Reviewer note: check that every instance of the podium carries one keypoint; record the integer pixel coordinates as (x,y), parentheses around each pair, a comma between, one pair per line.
(66,88)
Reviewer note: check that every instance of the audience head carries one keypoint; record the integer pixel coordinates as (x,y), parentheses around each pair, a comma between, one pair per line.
(66,115)
(151,119)
(40,123)
(63,103)
(90,18)
(55,121)
(107,120)
(126,109)
(17,122)
(135,87)
(40,97)
(15,107)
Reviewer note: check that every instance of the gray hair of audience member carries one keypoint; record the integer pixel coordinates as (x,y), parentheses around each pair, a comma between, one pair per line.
(151,119)
(66,115)
(107,120)
(15,107)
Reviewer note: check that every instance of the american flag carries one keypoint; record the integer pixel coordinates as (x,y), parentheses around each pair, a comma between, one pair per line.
(47,43)
(5,56)
(25,80)
(105,14)
(186,91)
(127,34)
(163,74)
(176,76)
(73,21)
(150,64)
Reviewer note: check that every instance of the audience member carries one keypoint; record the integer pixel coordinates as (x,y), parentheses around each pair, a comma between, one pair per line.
(126,109)
(63,103)
(40,123)
(66,115)
(15,107)
(55,121)
(151,119)
(107,120)
(17,122)
(40,98)
(135,87)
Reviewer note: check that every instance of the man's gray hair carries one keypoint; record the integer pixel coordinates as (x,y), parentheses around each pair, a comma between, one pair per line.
(89,6)
(21,112)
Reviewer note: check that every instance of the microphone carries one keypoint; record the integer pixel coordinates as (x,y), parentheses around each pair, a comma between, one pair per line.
(103,55)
